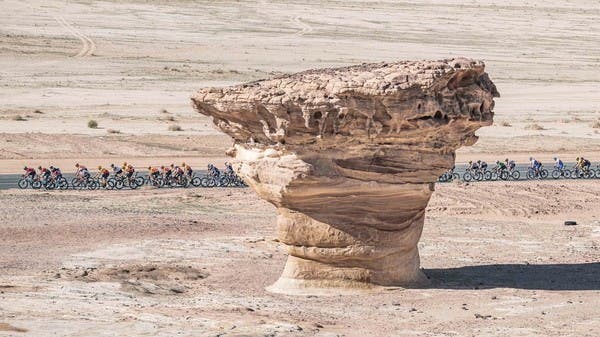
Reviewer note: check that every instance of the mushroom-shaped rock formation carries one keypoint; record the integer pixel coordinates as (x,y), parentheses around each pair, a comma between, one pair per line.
(349,157)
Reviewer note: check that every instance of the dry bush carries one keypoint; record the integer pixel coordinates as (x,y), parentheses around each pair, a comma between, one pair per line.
(596,125)
(18,118)
(38,112)
(92,124)
(165,111)
(175,127)
(534,127)
(113,131)
(505,124)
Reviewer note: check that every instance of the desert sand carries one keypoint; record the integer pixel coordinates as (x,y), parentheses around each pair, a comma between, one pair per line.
(196,262)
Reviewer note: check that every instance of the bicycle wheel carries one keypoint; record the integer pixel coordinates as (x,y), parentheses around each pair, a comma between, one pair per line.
(515,175)
(22,183)
(567,173)
(36,184)
(224,181)
(196,182)
(119,184)
(62,184)
(111,184)
(487,175)
(556,174)
(591,174)
(543,173)
(132,184)
(467,176)
(503,175)
(139,181)
(92,184)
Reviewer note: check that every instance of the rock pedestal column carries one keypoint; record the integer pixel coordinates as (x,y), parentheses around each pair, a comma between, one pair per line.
(349,157)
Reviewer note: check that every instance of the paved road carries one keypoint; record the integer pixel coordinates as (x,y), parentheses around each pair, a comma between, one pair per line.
(10,180)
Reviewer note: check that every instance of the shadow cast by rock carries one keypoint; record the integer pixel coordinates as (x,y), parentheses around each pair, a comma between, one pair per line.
(581,276)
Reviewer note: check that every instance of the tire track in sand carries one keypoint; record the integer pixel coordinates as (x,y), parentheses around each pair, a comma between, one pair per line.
(305,28)
(88,46)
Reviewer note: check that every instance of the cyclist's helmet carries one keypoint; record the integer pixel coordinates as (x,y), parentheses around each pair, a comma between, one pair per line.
(112,165)
(183,164)
(25,168)
(479,161)
(530,158)
(172,165)
(39,167)
(52,167)
(149,167)
(99,167)
(577,158)
(506,159)
(162,167)
(77,165)
(554,158)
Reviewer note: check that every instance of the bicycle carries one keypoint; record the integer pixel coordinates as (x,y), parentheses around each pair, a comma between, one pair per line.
(27,181)
(540,173)
(558,173)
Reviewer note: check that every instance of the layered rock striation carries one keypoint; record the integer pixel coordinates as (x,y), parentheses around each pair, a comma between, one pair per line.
(349,157)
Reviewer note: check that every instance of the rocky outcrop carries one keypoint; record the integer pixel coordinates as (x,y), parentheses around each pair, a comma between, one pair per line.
(349,156)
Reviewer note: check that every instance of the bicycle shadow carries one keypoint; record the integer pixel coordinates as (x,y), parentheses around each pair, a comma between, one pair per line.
(581,276)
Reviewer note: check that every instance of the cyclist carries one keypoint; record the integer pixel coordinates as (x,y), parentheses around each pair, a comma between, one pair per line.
(129,171)
(56,173)
(510,164)
(177,171)
(500,166)
(188,170)
(117,171)
(153,172)
(586,165)
(29,172)
(213,170)
(103,174)
(228,168)
(535,165)
(558,164)
(44,173)
(473,166)
(482,166)
(166,170)
(82,171)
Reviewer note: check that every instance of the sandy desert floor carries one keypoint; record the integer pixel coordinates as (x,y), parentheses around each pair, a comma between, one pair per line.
(196,262)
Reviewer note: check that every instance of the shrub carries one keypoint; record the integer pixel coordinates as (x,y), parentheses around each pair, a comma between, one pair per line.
(175,127)
(505,124)
(92,124)
(18,118)
(113,131)
(534,127)
(596,125)
(38,112)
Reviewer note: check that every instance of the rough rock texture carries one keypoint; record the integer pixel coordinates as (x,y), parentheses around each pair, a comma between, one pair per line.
(349,157)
